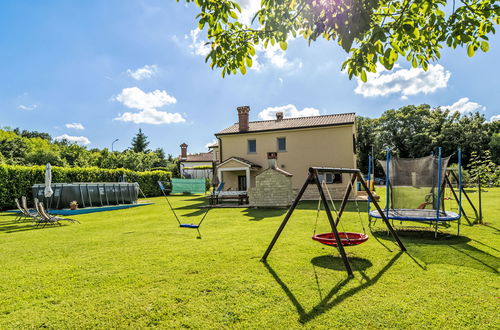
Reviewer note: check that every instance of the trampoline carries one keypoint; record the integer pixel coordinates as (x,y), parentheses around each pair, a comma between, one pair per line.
(417,215)
(415,189)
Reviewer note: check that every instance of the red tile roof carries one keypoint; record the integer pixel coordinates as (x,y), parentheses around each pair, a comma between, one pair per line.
(293,123)
(201,157)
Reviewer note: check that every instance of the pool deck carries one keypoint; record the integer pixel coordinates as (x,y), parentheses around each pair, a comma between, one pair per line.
(91,209)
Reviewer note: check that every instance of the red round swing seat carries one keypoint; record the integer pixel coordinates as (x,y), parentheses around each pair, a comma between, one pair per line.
(346,239)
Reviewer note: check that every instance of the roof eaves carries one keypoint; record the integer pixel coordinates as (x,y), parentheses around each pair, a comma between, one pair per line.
(287,128)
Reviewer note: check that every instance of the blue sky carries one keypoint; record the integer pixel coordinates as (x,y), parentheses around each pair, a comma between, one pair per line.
(95,71)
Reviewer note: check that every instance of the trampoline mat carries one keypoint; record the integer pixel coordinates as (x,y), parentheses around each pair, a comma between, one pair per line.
(417,215)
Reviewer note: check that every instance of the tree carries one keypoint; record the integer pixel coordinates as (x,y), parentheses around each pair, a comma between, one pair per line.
(140,142)
(162,162)
(365,140)
(406,131)
(482,169)
(495,148)
(370,31)
(12,147)
(416,131)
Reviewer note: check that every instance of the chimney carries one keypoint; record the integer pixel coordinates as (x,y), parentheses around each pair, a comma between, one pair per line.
(243,118)
(184,150)
(279,116)
(271,159)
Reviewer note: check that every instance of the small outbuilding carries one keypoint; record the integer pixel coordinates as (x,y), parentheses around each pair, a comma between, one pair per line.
(273,187)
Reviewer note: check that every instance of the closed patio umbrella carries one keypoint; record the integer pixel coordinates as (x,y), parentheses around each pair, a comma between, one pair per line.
(48,181)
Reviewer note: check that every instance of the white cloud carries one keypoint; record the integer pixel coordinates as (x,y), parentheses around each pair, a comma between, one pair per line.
(404,81)
(135,98)
(289,111)
(145,72)
(495,118)
(77,126)
(198,47)
(147,103)
(151,116)
(211,143)
(248,10)
(464,105)
(273,55)
(73,139)
(27,107)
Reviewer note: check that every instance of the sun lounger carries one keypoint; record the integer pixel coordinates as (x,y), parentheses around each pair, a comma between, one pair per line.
(25,213)
(47,218)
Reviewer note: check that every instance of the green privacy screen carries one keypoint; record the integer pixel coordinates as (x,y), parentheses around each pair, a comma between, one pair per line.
(188,186)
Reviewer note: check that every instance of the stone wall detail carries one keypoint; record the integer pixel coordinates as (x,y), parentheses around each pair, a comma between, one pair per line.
(273,188)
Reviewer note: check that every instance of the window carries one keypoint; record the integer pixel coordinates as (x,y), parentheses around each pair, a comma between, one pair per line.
(252,146)
(329,177)
(281,144)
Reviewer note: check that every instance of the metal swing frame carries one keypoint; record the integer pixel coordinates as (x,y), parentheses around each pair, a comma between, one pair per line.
(313,178)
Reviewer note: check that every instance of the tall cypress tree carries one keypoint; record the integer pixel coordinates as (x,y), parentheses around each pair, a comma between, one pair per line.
(140,142)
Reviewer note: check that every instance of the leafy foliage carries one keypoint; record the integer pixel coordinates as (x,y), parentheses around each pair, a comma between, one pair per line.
(495,148)
(33,148)
(17,180)
(416,131)
(370,31)
(483,169)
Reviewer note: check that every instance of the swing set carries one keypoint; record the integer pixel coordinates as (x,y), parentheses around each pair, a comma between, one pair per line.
(183,225)
(347,238)
(334,238)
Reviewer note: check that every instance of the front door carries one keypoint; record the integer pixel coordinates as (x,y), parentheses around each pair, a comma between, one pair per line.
(242,182)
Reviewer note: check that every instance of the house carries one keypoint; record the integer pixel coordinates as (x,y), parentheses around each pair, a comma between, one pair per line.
(299,143)
(196,166)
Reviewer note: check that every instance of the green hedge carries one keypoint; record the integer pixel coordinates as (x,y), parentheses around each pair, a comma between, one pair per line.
(16,181)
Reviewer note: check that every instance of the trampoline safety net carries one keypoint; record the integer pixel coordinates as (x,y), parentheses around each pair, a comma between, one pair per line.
(188,186)
(413,184)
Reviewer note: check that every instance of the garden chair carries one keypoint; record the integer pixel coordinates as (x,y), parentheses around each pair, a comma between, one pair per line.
(213,198)
(47,218)
(25,212)
(19,215)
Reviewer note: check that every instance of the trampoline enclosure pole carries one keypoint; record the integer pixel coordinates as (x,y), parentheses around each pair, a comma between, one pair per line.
(460,182)
(387,171)
(439,185)
(369,178)
(459,189)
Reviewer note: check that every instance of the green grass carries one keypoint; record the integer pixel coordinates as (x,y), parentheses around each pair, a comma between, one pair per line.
(136,268)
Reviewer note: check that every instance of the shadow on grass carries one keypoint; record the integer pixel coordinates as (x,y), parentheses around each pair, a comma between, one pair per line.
(332,298)
(14,226)
(336,263)
(450,250)
(197,205)
(350,207)
(257,214)
(492,227)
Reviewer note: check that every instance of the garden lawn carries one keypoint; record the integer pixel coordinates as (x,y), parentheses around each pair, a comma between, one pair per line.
(137,268)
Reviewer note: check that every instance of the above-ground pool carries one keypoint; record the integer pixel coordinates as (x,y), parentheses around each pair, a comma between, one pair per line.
(88,194)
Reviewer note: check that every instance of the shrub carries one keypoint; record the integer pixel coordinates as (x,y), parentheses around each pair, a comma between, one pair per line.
(16,181)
